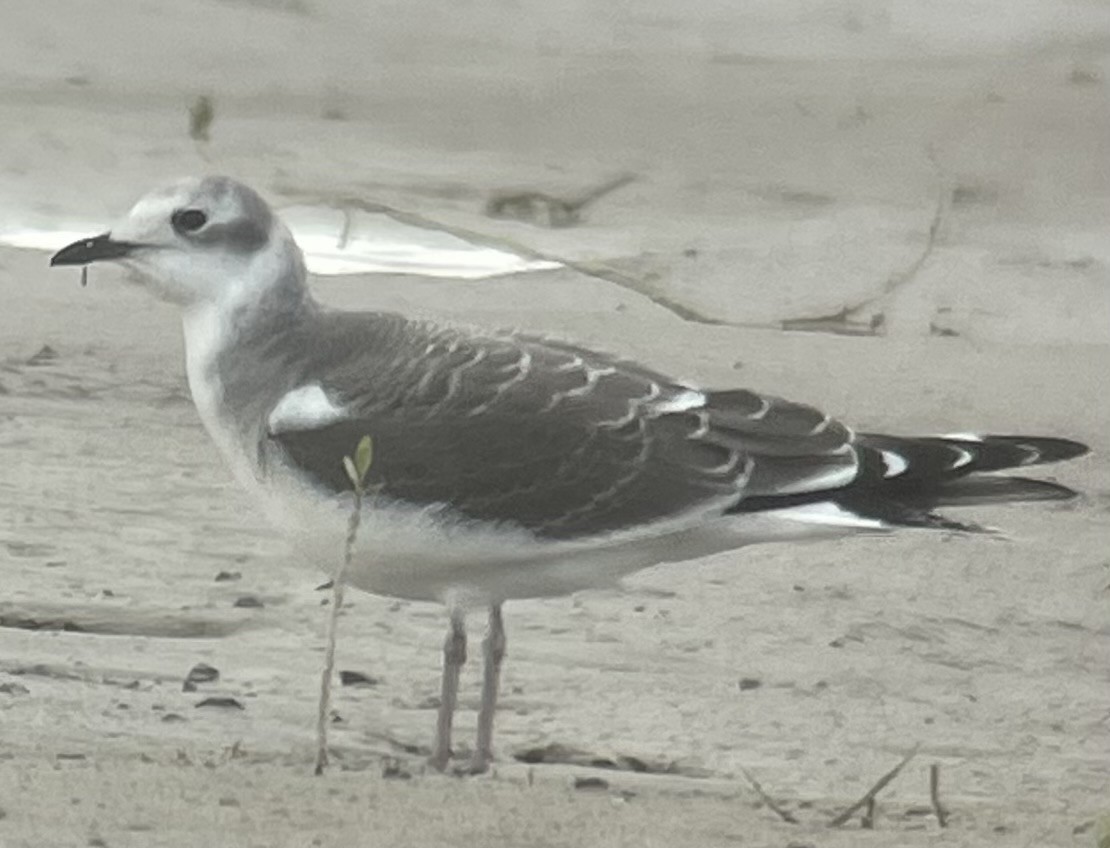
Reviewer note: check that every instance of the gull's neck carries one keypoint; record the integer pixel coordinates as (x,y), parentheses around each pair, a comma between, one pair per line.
(229,343)
(268,290)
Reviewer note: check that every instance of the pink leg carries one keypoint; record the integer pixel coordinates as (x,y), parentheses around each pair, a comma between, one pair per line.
(493,650)
(454,655)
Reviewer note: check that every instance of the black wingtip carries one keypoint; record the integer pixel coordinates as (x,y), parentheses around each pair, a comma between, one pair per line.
(993,489)
(1045,449)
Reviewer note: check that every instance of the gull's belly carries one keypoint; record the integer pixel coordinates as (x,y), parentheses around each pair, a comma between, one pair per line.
(423,553)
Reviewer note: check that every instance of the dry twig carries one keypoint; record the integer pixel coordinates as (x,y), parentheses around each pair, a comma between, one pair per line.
(934,795)
(845,321)
(879,786)
(867,820)
(773,805)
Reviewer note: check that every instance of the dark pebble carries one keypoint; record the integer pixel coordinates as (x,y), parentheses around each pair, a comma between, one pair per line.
(591,783)
(248,602)
(748,683)
(201,673)
(357,678)
(45,354)
(222,703)
(228,576)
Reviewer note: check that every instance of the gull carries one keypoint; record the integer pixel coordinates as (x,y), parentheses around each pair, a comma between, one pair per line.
(506,465)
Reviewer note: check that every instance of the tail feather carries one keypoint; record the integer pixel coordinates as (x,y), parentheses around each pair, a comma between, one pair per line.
(902,480)
(937,458)
(972,491)
(951,471)
(997,453)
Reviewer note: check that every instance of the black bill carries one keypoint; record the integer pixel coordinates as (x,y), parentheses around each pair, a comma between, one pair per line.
(92,250)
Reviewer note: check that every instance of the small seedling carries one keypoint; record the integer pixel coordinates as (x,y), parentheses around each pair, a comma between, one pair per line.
(357,469)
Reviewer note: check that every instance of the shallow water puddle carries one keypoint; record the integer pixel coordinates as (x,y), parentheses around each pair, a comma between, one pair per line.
(336,243)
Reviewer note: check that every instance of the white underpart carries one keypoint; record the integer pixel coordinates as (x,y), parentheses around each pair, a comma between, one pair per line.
(827,514)
(894,463)
(304,408)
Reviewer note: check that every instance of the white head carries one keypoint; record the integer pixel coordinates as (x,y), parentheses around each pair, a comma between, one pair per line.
(200,241)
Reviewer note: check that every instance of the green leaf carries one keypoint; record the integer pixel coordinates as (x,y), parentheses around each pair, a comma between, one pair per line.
(352,474)
(364,454)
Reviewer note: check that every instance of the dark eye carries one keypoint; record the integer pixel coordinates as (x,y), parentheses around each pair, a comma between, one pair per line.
(188,220)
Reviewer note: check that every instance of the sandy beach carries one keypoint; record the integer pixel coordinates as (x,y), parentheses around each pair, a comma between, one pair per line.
(900,215)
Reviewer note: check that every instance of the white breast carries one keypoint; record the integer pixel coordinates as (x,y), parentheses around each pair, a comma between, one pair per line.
(207,333)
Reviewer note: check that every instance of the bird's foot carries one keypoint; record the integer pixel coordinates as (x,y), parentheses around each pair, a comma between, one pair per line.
(439,760)
(478,763)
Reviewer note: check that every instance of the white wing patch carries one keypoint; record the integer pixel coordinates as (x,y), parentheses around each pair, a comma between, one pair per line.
(682,402)
(304,408)
(894,464)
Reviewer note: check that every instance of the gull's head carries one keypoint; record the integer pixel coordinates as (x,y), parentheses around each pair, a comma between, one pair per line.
(198,241)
